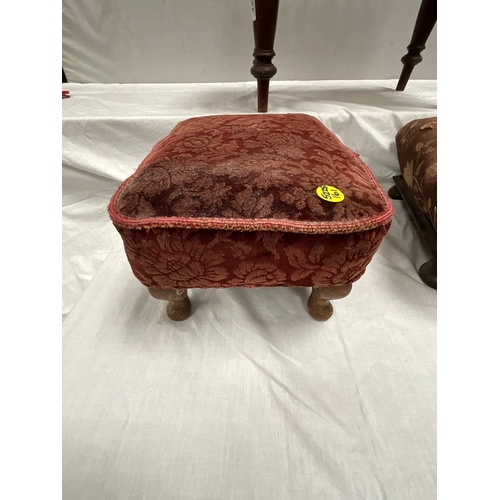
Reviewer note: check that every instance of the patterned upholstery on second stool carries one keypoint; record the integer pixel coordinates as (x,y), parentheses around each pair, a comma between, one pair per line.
(416,145)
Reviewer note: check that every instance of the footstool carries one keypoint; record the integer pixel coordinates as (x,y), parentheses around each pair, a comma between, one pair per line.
(416,146)
(250,201)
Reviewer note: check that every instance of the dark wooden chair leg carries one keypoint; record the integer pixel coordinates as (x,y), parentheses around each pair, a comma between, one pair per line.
(319,306)
(179,305)
(426,19)
(264,31)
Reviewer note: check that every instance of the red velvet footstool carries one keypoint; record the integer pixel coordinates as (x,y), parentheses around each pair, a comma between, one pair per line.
(250,201)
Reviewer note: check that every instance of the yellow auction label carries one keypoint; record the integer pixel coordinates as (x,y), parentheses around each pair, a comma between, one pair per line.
(330,193)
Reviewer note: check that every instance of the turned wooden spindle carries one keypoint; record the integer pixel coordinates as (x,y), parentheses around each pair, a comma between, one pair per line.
(264,31)
(426,19)
(179,305)
(319,306)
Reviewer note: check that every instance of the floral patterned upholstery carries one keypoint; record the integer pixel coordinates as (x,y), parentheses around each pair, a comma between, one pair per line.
(416,145)
(231,200)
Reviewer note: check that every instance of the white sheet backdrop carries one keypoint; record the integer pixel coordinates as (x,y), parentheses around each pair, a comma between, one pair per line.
(249,398)
(153,41)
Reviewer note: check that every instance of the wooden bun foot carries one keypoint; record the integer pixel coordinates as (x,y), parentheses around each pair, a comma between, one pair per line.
(319,305)
(179,305)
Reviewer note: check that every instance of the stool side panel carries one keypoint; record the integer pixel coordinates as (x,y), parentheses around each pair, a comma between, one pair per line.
(187,258)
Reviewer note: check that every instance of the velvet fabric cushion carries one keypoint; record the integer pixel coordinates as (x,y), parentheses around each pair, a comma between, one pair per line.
(231,200)
(416,145)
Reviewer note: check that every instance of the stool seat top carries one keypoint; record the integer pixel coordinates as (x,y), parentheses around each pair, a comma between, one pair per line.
(265,172)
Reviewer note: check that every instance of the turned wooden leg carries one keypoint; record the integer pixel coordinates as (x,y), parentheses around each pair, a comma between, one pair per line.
(179,305)
(264,31)
(426,19)
(319,306)
(394,193)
